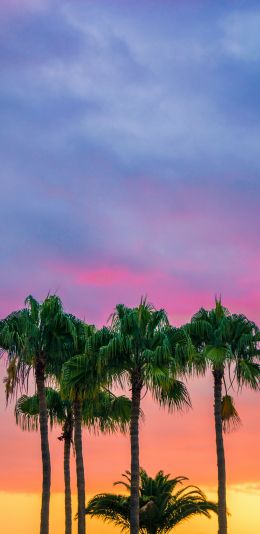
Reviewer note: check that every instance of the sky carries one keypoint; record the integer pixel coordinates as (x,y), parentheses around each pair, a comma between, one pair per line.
(129,149)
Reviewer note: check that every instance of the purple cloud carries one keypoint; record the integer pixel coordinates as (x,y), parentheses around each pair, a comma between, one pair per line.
(129,145)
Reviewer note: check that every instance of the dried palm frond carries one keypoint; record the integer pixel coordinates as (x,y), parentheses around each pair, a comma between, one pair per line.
(229,414)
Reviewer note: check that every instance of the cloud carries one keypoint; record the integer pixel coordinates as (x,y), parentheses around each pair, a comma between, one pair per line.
(248,488)
(128,153)
(241,36)
(37,37)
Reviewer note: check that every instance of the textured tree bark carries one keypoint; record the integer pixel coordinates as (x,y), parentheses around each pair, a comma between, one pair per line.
(67,445)
(46,463)
(79,467)
(222,508)
(135,468)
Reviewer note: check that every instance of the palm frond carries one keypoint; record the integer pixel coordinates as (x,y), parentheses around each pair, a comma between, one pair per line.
(174,395)
(27,410)
(107,412)
(229,415)
(111,508)
(248,373)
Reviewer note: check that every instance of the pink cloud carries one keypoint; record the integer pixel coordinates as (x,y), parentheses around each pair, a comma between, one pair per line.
(104,276)
(180,294)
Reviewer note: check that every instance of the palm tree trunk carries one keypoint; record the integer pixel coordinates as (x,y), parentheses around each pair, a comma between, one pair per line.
(46,462)
(135,468)
(222,509)
(68,522)
(79,467)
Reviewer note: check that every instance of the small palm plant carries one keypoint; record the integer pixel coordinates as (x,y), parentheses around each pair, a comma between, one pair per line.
(162,506)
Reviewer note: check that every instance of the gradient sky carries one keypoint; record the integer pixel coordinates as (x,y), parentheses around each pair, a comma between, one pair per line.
(130,140)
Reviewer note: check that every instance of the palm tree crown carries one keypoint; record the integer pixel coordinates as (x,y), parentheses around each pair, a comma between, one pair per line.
(139,349)
(162,505)
(40,333)
(225,339)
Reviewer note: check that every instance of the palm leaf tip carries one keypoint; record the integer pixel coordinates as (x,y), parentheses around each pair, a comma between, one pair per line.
(174,395)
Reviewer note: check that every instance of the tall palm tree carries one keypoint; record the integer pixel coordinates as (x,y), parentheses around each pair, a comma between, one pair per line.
(39,337)
(140,354)
(59,412)
(135,350)
(162,507)
(93,407)
(71,390)
(82,333)
(225,343)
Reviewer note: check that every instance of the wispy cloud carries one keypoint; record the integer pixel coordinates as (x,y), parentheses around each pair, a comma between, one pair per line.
(130,140)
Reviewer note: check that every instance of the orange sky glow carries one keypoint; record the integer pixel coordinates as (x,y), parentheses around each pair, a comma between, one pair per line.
(180,444)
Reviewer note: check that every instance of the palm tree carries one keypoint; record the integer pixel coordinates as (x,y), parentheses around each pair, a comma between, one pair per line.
(82,333)
(162,507)
(72,391)
(135,350)
(140,354)
(94,407)
(59,412)
(39,337)
(225,342)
